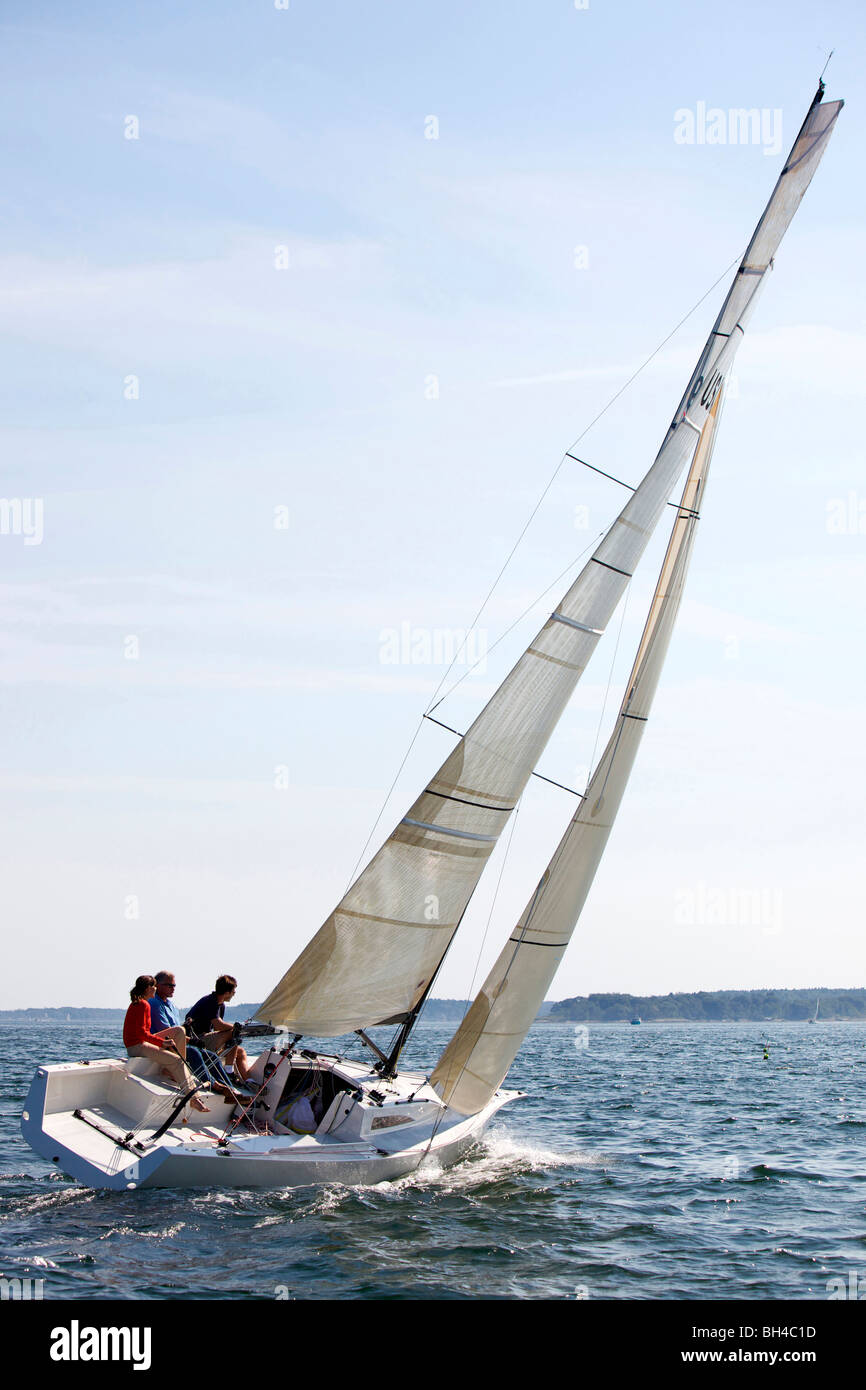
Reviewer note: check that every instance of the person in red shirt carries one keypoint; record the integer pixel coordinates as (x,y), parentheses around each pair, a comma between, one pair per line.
(167,1047)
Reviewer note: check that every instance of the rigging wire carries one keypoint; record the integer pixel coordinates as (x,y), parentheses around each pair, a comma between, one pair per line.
(435,700)
(594,421)
(493,904)
(558,580)
(609,683)
(385,802)
(440,1116)
(427,714)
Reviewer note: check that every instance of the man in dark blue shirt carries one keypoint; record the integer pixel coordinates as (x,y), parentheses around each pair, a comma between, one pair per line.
(206,1018)
(165,1014)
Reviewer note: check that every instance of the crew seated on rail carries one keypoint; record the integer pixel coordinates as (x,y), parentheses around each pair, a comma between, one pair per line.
(165,1015)
(206,1020)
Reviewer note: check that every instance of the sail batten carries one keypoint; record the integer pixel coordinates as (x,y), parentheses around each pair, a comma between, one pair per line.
(374,958)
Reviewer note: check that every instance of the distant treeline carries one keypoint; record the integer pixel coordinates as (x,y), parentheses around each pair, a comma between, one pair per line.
(236,1014)
(735,1005)
(435,1011)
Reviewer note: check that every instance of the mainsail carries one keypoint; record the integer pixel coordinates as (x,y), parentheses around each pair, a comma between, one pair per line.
(477,1058)
(374,958)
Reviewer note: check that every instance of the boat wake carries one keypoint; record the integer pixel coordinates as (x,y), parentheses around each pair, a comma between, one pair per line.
(496,1159)
(505,1155)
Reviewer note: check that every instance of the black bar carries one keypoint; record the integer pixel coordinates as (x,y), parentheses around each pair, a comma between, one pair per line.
(601,471)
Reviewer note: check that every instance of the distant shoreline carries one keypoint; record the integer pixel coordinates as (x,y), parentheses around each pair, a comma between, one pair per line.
(720,1006)
(434,1011)
(716,1006)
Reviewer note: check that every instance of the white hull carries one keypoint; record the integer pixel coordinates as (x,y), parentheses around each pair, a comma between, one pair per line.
(98,1122)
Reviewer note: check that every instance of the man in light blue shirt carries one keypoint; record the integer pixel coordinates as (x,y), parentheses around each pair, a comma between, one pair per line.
(164,1014)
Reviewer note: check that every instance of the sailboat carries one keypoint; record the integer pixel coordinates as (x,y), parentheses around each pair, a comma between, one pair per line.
(315,1117)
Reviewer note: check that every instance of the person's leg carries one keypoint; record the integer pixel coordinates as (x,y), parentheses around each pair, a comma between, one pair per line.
(185,1079)
(209,1068)
(148,1050)
(172,1065)
(195,1060)
(176,1035)
(237,1058)
(213,1067)
(233,1056)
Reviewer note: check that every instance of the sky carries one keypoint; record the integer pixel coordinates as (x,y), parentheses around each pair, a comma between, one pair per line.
(301,308)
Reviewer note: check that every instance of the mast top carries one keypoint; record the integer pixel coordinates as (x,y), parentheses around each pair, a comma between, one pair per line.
(820,92)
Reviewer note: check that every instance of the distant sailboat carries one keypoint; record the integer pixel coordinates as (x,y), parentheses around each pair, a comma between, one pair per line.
(117,1124)
(815,1019)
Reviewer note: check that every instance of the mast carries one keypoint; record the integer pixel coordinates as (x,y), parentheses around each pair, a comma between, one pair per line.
(374,959)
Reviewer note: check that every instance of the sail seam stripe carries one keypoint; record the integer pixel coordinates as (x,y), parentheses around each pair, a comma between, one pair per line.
(616,569)
(447,830)
(391,921)
(557,660)
(463,802)
(642,717)
(472,792)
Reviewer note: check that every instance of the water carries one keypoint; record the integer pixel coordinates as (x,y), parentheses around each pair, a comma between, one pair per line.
(667,1161)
